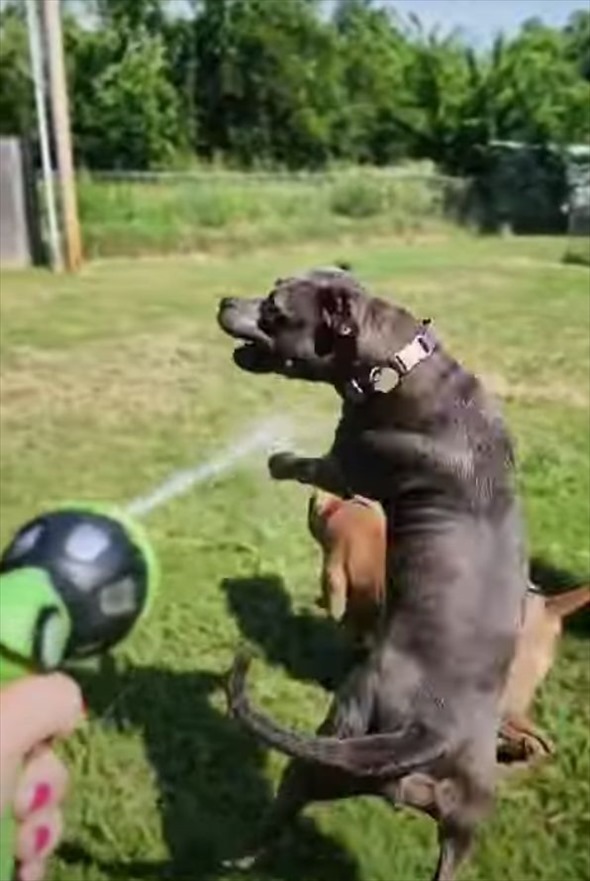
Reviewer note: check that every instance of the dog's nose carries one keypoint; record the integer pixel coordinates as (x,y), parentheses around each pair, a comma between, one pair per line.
(227,302)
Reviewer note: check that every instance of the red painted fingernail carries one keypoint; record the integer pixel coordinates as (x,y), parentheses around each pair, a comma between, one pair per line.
(42,836)
(41,796)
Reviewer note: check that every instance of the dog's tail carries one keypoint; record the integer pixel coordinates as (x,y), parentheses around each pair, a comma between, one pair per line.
(373,755)
(564,604)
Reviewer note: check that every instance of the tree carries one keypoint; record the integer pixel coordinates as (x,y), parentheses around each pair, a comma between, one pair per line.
(126,112)
(16,89)
(266,86)
(577,41)
(442,78)
(275,81)
(540,96)
(132,16)
(179,37)
(374,61)
(526,89)
(137,110)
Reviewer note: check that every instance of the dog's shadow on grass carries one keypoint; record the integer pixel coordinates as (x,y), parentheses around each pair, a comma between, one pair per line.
(553,579)
(311,647)
(209,771)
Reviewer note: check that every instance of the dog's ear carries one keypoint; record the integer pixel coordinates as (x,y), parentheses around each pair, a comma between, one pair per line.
(336,308)
(337,326)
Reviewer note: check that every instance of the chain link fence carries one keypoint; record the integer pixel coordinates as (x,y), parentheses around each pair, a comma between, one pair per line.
(139,212)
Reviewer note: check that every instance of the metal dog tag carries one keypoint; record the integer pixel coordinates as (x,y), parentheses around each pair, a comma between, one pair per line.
(384,379)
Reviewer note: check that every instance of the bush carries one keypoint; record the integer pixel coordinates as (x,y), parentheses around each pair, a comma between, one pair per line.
(358,197)
(578,252)
(209,208)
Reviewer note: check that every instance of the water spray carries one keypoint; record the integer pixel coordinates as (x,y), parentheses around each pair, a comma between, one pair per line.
(75,581)
(268,436)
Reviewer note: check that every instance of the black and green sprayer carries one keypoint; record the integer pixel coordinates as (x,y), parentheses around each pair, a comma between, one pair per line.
(74,581)
(73,584)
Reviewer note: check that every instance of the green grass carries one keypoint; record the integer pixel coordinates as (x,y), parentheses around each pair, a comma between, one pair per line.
(111,380)
(578,251)
(219,209)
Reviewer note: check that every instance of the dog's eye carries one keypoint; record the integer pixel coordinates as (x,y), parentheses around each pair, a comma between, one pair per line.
(270,304)
(271,314)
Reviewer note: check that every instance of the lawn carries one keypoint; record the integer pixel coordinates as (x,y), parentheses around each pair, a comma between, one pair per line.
(113,379)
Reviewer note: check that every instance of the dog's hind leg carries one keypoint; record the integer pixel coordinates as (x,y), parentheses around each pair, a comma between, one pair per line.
(462,801)
(305,782)
(444,801)
(301,784)
(455,842)
(292,796)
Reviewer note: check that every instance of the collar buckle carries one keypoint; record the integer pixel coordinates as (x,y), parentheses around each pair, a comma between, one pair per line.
(384,379)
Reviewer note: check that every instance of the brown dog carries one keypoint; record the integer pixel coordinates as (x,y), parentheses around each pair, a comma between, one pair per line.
(519,739)
(352,535)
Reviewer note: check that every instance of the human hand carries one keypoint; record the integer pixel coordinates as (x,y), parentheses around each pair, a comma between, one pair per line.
(33,780)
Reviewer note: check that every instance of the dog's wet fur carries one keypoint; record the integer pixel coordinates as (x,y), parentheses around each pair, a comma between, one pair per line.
(352,536)
(416,722)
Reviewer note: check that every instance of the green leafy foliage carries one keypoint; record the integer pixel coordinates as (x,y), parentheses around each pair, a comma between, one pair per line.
(134,121)
(16,93)
(577,41)
(280,83)
(267,86)
(357,197)
(540,95)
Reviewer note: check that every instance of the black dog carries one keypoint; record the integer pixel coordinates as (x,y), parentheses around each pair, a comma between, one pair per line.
(415,723)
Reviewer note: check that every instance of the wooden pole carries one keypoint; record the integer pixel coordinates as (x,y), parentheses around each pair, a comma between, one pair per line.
(58,92)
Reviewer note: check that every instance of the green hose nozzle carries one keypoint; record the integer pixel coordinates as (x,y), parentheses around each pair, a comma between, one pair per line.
(73,583)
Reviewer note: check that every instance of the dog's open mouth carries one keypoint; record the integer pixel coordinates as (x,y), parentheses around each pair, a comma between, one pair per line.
(255,350)
(257,358)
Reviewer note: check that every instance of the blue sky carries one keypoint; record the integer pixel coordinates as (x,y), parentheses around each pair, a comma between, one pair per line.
(481,19)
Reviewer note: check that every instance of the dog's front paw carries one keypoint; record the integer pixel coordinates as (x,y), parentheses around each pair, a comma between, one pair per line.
(282,466)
